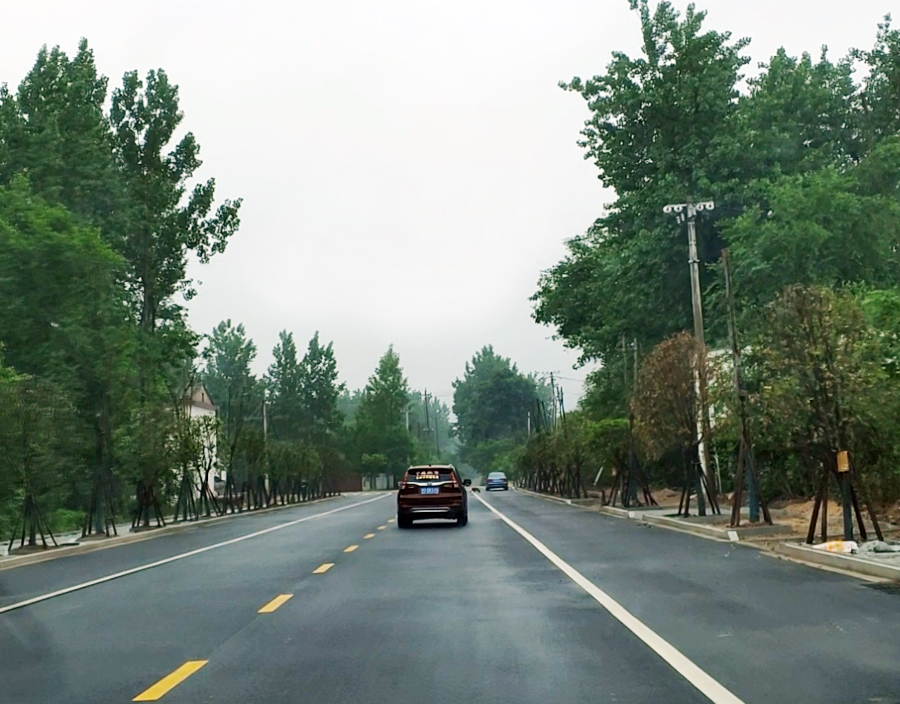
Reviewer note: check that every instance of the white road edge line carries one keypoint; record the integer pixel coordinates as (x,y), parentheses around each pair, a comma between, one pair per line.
(709,687)
(182,556)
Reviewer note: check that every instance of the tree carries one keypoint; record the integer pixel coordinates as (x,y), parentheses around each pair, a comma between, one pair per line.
(492,400)
(162,229)
(832,226)
(64,318)
(283,382)
(658,130)
(227,376)
(319,391)
(36,444)
(819,364)
(54,130)
(667,408)
(880,99)
(802,169)
(381,419)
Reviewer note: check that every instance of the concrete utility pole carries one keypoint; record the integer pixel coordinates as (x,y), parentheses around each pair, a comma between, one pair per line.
(553,401)
(437,440)
(265,419)
(688,211)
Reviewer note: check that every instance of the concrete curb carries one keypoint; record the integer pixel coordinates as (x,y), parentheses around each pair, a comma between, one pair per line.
(652,517)
(11,562)
(616,512)
(557,499)
(848,563)
(844,564)
(730,534)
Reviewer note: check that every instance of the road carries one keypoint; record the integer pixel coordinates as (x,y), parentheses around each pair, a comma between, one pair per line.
(534,602)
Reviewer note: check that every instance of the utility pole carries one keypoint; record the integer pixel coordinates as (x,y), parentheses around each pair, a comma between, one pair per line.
(265,420)
(529,423)
(427,421)
(437,440)
(553,402)
(688,211)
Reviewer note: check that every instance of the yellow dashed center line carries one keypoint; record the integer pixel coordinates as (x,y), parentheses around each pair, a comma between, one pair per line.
(351,548)
(390,520)
(274,604)
(368,536)
(381,527)
(322,569)
(169,682)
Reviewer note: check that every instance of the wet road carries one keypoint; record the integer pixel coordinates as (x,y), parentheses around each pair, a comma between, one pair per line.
(532,602)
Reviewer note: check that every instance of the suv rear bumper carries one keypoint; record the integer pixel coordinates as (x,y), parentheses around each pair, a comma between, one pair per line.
(429,508)
(431,512)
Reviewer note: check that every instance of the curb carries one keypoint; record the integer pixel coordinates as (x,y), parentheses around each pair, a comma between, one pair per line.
(8,563)
(798,552)
(848,563)
(557,499)
(730,534)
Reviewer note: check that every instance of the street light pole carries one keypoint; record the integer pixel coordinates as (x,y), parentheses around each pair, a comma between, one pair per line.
(688,211)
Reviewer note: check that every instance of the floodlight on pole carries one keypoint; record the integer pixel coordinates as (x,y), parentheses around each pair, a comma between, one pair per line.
(688,212)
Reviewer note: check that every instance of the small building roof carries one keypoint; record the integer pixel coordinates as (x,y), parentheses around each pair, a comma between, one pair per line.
(198,397)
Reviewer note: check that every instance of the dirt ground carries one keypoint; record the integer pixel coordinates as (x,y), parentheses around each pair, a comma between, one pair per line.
(795,513)
(798,513)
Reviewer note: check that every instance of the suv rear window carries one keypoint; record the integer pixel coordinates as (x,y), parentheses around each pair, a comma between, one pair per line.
(428,474)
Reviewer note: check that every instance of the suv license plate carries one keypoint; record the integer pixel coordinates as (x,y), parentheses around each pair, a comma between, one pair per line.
(430,490)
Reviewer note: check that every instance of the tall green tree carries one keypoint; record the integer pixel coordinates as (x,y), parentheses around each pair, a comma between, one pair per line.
(802,168)
(232,386)
(381,419)
(659,127)
(65,318)
(54,129)
(319,391)
(283,382)
(165,223)
(492,400)
(880,96)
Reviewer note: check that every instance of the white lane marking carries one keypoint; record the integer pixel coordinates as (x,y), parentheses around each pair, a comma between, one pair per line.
(182,556)
(714,691)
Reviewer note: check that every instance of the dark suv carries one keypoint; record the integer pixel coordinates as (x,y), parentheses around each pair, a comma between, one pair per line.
(432,491)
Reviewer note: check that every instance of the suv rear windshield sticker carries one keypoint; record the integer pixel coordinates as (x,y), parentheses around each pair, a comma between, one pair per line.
(429,475)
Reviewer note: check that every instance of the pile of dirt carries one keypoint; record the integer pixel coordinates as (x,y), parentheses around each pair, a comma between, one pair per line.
(797,514)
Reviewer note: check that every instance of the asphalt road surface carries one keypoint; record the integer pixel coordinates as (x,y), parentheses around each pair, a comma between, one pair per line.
(533,602)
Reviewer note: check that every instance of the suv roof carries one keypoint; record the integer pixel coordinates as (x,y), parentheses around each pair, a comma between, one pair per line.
(431,466)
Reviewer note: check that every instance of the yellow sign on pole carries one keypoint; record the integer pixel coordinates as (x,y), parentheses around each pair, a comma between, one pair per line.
(843,461)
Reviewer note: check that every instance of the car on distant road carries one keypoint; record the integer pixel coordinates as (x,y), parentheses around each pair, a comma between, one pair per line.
(432,491)
(496,480)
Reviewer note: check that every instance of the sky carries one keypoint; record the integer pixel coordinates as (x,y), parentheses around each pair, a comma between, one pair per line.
(408,167)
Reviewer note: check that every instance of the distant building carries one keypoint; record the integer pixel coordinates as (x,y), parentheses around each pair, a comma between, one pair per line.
(198,404)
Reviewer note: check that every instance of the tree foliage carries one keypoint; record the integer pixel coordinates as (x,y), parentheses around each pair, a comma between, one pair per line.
(382,439)
(801,163)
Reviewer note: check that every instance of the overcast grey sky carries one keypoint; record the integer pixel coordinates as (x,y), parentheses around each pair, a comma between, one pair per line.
(408,167)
